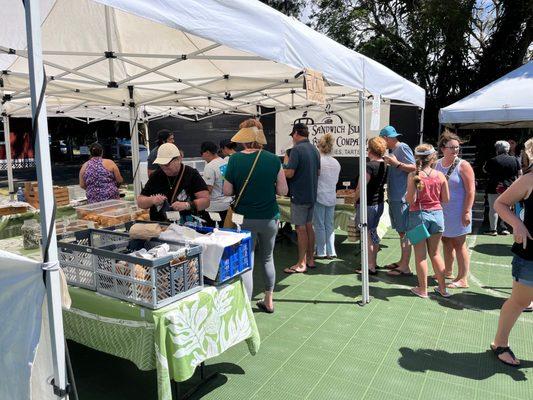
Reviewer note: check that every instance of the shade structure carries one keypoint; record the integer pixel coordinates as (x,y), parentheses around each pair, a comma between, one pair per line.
(203,55)
(200,57)
(504,103)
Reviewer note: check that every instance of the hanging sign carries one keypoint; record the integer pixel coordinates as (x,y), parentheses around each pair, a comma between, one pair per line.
(314,86)
(342,121)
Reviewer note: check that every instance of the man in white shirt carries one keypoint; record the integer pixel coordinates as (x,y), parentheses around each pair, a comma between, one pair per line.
(214,178)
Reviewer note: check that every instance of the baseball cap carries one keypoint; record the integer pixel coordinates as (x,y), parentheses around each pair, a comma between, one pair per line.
(389,132)
(166,153)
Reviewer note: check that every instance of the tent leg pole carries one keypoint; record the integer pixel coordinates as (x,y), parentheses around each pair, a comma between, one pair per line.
(134,131)
(9,161)
(44,177)
(422,126)
(362,200)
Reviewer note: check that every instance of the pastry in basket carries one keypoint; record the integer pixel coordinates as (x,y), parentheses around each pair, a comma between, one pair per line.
(145,231)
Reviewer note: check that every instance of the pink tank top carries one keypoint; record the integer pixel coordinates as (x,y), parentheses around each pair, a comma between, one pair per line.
(428,199)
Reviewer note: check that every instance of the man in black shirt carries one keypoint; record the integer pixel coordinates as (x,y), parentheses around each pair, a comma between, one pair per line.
(502,171)
(173,187)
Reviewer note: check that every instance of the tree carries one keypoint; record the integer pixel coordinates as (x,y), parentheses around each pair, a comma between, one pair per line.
(292,8)
(447,47)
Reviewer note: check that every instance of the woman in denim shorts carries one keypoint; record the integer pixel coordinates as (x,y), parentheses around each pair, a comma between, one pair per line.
(376,177)
(426,190)
(522,292)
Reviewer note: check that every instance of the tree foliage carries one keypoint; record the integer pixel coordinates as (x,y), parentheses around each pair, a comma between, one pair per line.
(292,8)
(450,48)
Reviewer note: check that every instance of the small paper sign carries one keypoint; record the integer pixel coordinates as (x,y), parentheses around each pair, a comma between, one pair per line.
(173,215)
(215,216)
(346,183)
(376,112)
(237,219)
(314,86)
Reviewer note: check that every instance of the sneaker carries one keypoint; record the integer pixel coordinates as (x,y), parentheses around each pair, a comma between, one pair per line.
(492,233)
(505,232)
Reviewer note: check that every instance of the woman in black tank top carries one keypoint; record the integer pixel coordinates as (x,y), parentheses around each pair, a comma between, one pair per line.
(522,292)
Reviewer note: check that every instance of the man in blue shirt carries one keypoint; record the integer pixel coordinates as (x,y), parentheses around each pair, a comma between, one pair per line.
(401,163)
(302,175)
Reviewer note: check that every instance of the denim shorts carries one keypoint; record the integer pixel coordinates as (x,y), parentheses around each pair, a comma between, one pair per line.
(373,215)
(523,271)
(399,215)
(433,220)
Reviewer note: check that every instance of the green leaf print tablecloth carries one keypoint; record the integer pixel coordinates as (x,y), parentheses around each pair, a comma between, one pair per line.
(174,339)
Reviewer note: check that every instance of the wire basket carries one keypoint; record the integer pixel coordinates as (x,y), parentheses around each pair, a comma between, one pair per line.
(102,261)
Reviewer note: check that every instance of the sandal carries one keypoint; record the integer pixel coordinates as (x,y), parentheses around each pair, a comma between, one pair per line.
(445,294)
(415,292)
(396,272)
(370,272)
(294,270)
(456,285)
(392,266)
(502,350)
(261,305)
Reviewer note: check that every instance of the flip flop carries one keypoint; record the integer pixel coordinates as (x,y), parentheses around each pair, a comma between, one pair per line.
(391,266)
(445,294)
(455,285)
(501,350)
(261,305)
(291,270)
(370,272)
(418,294)
(396,272)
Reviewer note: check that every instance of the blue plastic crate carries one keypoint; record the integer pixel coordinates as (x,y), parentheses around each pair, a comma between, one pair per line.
(235,260)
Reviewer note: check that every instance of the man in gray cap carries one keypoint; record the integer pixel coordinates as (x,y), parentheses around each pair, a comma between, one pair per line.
(401,162)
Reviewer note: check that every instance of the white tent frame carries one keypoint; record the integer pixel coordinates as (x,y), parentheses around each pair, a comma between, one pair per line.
(87,97)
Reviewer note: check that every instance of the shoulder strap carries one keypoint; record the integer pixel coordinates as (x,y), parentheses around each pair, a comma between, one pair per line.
(177,184)
(247,178)
(452,167)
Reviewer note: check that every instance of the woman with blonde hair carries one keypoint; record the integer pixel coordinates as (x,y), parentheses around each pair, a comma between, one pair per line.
(254,176)
(324,210)
(427,189)
(458,211)
(376,177)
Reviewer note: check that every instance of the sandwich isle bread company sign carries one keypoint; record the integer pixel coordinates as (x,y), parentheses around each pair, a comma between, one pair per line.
(342,124)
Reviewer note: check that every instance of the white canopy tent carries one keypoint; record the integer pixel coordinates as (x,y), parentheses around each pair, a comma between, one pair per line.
(206,56)
(504,103)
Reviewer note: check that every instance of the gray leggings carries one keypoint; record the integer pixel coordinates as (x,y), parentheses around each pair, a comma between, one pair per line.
(264,233)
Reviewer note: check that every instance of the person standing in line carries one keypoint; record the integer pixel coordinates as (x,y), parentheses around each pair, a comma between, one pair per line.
(427,189)
(376,177)
(458,211)
(214,172)
(401,162)
(522,271)
(254,176)
(302,173)
(100,177)
(326,198)
(227,148)
(163,136)
(502,171)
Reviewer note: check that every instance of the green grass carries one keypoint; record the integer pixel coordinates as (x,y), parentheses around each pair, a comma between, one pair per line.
(319,344)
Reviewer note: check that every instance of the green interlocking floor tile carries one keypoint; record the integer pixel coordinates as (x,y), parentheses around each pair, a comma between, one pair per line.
(439,390)
(311,358)
(352,369)
(398,381)
(339,389)
(294,381)
(319,344)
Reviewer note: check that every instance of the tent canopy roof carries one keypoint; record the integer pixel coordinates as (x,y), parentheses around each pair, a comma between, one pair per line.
(504,103)
(195,55)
